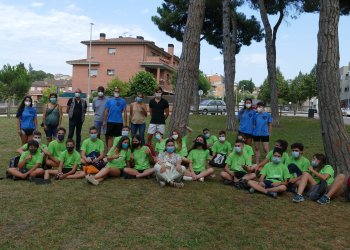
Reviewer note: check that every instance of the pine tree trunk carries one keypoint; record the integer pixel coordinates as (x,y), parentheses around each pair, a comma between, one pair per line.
(270,45)
(195,87)
(229,50)
(189,65)
(335,138)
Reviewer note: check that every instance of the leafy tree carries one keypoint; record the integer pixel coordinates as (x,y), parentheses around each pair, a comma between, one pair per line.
(247,85)
(47,92)
(116,82)
(282,89)
(143,82)
(14,82)
(39,75)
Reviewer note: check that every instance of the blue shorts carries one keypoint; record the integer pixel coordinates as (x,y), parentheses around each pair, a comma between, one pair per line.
(51,131)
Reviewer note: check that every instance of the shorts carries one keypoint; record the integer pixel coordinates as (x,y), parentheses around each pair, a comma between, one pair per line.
(239,174)
(114,129)
(268,184)
(197,172)
(129,176)
(27,131)
(23,170)
(66,170)
(50,131)
(153,128)
(99,126)
(245,135)
(261,138)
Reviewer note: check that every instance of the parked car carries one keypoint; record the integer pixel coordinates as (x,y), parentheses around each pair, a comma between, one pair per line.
(345,111)
(211,107)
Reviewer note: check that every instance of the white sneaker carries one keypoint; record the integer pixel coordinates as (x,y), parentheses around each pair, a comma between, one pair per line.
(162,184)
(187,178)
(201,179)
(92,180)
(213,176)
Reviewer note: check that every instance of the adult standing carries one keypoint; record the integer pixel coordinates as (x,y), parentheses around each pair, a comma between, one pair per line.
(138,114)
(26,120)
(52,117)
(159,110)
(98,105)
(246,117)
(115,110)
(76,109)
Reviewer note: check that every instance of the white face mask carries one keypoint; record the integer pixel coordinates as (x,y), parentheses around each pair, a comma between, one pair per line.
(125,133)
(27,103)
(260,109)
(100,94)
(175,137)
(248,105)
(222,138)
(77,94)
(158,95)
(116,94)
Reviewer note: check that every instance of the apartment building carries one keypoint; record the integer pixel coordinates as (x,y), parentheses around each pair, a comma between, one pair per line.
(123,57)
(217,85)
(344,87)
(38,87)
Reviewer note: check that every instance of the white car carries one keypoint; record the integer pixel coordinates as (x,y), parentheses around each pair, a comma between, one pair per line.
(211,107)
(345,111)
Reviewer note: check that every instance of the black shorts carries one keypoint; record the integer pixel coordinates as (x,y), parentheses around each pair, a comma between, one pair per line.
(239,174)
(245,135)
(28,131)
(129,176)
(268,184)
(66,170)
(114,129)
(261,138)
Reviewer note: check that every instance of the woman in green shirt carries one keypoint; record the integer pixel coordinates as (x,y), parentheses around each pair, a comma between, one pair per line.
(118,158)
(141,159)
(322,174)
(181,143)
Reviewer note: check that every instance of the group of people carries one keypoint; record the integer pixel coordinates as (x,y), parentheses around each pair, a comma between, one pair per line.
(128,154)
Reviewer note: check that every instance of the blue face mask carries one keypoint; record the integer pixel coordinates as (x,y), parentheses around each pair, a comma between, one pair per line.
(53,100)
(93,136)
(139,99)
(170,149)
(276,160)
(125,133)
(238,149)
(207,135)
(295,154)
(125,145)
(158,137)
(314,164)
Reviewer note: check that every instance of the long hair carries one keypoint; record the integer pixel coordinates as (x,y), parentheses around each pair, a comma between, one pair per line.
(169,140)
(244,107)
(119,147)
(205,146)
(179,139)
(22,105)
(138,137)
(323,161)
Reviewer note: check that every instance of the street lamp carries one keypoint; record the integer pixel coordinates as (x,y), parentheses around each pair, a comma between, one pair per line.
(89,71)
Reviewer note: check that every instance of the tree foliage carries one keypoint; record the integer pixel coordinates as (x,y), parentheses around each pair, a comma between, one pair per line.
(246,85)
(14,81)
(39,75)
(47,92)
(143,82)
(116,82)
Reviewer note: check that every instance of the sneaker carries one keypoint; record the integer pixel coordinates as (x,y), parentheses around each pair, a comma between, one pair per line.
(187,178)
(298,198)
(228,182)
(162,184)
(272,194)
(201,179)
(324,200)
(213,176)
(251,190)
(237,185)
(92,180)
(177,184)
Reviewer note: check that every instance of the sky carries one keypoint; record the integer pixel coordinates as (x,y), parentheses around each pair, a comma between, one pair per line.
(48,33)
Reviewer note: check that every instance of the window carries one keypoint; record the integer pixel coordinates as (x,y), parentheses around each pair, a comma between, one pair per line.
(111,51)
(32,88)
(93,72)
(110,72)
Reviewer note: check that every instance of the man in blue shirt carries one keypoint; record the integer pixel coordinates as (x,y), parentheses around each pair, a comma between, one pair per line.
(115,110)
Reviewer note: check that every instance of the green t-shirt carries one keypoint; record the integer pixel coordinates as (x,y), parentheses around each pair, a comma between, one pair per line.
(302,163)
(235,161)
(275,172)
(199,158)
(160,146)
(222,148)
(248,150)
(56,148)
(141,158)
(69,160)
(211,140)
(120,162)
(91,146)
(327,169)
(36,158)
(41,147)
(285,157)
(183,151)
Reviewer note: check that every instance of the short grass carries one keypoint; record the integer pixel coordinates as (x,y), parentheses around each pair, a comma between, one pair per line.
(137,214)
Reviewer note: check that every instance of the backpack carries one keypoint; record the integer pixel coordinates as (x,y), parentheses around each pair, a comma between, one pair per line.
(12,164)
(218,161)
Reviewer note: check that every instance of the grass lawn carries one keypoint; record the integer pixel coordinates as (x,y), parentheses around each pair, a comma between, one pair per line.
(137,214)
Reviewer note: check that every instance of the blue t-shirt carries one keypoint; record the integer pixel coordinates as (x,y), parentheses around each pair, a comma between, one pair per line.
(27,118)
(261,124)
(246,117)
(115,108)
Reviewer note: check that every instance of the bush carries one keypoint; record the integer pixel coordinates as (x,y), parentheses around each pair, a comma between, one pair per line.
(143,82)
(116,82)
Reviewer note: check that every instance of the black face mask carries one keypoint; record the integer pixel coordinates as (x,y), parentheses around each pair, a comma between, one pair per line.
(198,144)
(60,137)
(32,151)
(135,145)
(70,149)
